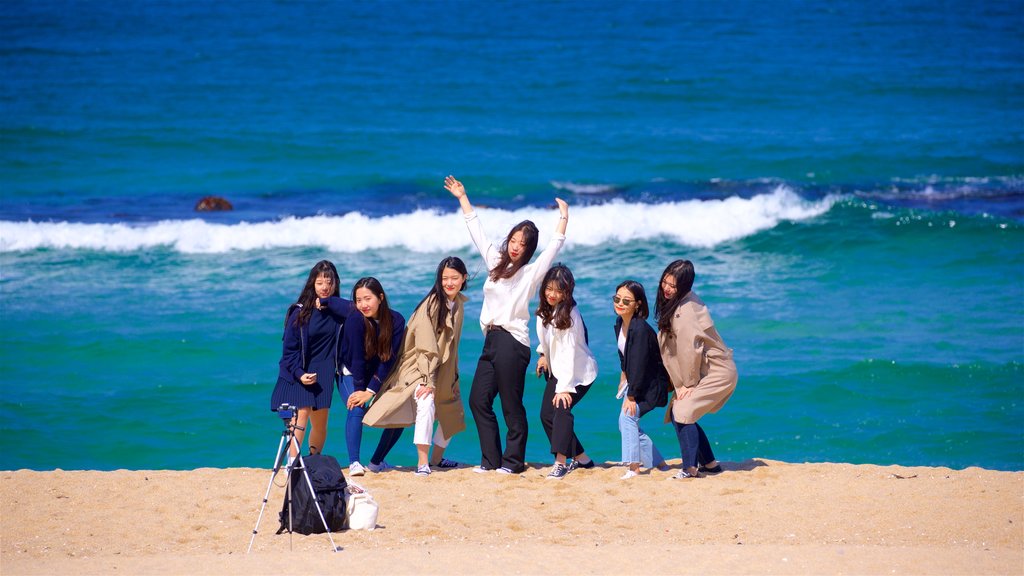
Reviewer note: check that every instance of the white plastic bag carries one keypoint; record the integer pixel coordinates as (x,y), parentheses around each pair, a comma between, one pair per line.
(362,508)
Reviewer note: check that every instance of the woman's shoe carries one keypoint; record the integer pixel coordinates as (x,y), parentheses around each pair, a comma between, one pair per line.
(423,470)
(629,474)
(558,471)
(684,474)
(446,463)
(574,464)
(356,469)
(716,469)
(377,468)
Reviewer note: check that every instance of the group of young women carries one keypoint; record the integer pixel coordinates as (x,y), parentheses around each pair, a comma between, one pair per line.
(408,374)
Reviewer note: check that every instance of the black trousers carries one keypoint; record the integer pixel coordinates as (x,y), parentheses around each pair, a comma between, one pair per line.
(501,372)
(558,422)
(694,444)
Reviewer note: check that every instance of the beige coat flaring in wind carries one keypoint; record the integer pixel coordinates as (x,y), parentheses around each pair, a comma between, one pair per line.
(699,364)
(426,357)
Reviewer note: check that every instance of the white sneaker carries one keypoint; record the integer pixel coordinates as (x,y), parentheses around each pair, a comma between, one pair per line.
(356,469)
(375,468)
(629,474)
(423,470)
(481,470)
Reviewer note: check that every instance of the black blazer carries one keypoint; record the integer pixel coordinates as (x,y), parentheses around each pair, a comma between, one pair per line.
(645,372)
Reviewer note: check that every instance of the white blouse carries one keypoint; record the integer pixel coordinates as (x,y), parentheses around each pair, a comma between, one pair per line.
(507,301)
(570,359)
(622,349)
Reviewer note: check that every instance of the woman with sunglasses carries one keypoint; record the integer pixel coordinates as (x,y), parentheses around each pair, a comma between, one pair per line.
(643,383)
(504,316)
(699,364)
(567,365)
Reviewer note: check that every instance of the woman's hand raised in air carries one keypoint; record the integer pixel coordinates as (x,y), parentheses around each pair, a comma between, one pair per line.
(563,215)
(459,191)
(454,186)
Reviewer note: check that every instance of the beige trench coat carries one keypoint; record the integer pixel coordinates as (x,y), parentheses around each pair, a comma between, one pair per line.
(699,364)
(426,357)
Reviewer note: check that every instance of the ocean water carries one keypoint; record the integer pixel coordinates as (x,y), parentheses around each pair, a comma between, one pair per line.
(847,178)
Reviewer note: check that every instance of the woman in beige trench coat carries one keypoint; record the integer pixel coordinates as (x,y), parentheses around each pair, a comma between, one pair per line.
(699,364)
(425,385)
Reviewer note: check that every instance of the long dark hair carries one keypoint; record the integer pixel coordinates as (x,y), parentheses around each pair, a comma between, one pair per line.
(505,267)
(307,298)
(561,314)
(377,341)
(437,291)
(639,294)
(665,308)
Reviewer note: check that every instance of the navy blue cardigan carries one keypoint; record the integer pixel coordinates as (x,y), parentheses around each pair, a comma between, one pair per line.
(368,373)
(295,353)
(645,371)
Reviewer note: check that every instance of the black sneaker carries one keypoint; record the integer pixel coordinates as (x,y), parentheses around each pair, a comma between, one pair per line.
(574,464)
(558,471)
(710,471)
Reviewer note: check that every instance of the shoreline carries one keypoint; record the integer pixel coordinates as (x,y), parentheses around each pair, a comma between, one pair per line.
(759,517)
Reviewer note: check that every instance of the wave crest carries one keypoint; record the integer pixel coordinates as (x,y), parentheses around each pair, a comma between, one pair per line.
(698,223)
(584,189)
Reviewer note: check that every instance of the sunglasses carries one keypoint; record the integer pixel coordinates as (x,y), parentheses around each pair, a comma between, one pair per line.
(623,301)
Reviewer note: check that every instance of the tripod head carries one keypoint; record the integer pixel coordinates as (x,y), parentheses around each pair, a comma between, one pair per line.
(287,412)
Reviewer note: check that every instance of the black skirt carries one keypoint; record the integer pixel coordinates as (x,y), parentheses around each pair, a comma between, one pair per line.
(316,396)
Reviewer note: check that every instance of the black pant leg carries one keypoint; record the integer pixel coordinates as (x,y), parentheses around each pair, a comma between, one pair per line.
(689,442)
(564,439)
(511,360)
(704,452)
(388,438)
(481,403)
(547,411)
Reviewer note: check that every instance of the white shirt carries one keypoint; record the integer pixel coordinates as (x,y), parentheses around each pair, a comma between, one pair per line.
(507,301)
(570,359)
(622,348)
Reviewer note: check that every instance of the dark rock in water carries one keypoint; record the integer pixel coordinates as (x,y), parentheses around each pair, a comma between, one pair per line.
(212,204)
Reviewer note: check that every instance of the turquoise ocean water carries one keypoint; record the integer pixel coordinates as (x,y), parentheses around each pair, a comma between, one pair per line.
(848,179)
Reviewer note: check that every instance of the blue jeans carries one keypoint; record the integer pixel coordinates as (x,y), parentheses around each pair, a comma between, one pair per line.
(637,446)
(354,428)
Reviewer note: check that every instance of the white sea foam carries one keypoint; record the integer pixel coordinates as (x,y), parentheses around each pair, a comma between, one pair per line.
(700,223)
(577,188)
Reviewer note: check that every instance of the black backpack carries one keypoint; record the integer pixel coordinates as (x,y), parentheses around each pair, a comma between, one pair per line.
(329,484)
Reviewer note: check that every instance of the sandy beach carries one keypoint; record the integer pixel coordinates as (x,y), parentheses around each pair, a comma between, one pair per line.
(758,517)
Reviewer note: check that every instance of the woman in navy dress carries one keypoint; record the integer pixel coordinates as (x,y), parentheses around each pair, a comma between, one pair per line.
(370,346)
(310,360)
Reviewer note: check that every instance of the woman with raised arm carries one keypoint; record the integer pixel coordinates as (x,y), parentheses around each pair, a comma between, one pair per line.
(504,316)
(369,349)
(699,364)
(310,362)
(425,385)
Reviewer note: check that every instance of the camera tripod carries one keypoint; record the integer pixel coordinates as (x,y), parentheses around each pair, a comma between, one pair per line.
(289,416)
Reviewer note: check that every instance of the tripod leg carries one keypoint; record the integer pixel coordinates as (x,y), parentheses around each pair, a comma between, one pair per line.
(309,484)
(281,446)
